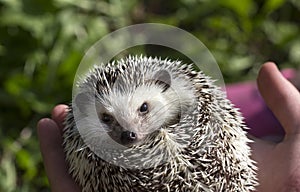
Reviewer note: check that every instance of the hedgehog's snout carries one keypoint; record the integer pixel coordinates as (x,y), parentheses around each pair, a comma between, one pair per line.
(128,137)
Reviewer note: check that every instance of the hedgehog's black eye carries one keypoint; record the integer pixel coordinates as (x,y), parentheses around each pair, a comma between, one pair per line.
(144,108)
(106,118)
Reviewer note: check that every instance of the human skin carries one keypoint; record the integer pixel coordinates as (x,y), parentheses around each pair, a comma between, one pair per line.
(278,163)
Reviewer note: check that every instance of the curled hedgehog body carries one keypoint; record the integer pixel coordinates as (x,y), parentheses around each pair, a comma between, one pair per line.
(173,128)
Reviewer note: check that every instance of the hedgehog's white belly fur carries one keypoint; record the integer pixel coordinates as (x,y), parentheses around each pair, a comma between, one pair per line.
(216,158)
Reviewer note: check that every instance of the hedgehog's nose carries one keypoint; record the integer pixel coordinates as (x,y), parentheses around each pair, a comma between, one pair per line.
(128,137)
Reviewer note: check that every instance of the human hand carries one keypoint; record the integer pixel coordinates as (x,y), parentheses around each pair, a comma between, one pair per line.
(50,138)
(279,163)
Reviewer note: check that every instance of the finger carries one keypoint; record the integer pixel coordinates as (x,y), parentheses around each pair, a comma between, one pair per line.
(281,96)
(58,115)
(53,156)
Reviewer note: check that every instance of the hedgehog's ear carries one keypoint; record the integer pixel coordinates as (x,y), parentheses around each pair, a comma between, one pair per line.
(163,78)
(82,101)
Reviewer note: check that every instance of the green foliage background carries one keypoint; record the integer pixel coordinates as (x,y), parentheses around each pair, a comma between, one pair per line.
(43,41)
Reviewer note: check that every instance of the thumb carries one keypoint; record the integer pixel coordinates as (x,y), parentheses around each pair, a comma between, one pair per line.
(281,96)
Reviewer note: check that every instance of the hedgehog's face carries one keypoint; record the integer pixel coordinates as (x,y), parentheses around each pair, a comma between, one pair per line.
(128,123)
(129,117)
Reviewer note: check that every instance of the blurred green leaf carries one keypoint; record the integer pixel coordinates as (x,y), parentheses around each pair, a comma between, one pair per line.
(271,5)
(17,84)
(294,53)
(296,3)
(26,163)
(8,175)
(242,8)
(281,33)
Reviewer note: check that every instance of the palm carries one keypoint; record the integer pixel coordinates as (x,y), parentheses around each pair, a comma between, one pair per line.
(278,170)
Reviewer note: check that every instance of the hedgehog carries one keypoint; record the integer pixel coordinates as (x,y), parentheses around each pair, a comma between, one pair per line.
(151,124)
